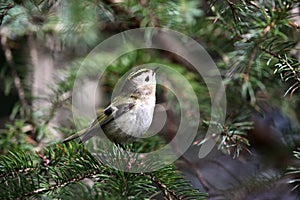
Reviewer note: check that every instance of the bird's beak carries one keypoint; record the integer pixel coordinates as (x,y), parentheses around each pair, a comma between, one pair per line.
(154,70)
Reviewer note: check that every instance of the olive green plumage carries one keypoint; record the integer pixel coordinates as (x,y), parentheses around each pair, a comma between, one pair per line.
(130,113)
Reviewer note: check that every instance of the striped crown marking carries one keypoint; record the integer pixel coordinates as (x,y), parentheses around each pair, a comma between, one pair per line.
(137,73)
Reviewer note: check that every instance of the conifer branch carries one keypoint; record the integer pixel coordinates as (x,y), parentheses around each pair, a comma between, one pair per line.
(61,185)
(169,193)
(284,61)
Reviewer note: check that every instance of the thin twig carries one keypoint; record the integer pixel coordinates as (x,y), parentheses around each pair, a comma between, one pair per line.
(16,78)
(231,5)
(201,179)
(294,25)
(14,173)
(60,185)
(249,65)
(163,186)
(248,69)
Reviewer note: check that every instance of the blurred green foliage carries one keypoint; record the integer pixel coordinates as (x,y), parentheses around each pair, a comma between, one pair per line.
(254,44)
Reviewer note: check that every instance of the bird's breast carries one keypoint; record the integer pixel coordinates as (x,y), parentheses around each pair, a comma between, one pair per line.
(138,120)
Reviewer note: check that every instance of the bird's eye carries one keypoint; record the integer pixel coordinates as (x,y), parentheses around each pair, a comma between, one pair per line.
(147,79)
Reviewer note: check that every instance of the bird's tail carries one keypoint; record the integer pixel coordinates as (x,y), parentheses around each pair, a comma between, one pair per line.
(74,136)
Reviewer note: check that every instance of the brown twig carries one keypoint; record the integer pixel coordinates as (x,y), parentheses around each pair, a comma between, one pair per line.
(294,25)
(171,194)
(16,78)
(199,176)
(249,64)
(231,5)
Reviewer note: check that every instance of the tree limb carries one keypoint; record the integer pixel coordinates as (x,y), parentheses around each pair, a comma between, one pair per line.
(16,78)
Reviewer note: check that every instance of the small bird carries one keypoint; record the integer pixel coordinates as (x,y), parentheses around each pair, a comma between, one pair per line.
(130,113)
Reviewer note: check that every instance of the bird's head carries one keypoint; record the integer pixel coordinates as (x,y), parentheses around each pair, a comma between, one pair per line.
(140,79)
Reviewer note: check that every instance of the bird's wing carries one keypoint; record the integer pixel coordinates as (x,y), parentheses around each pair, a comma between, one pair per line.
(107,115)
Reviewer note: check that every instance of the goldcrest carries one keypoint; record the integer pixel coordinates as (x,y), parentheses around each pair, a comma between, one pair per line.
(130,113)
